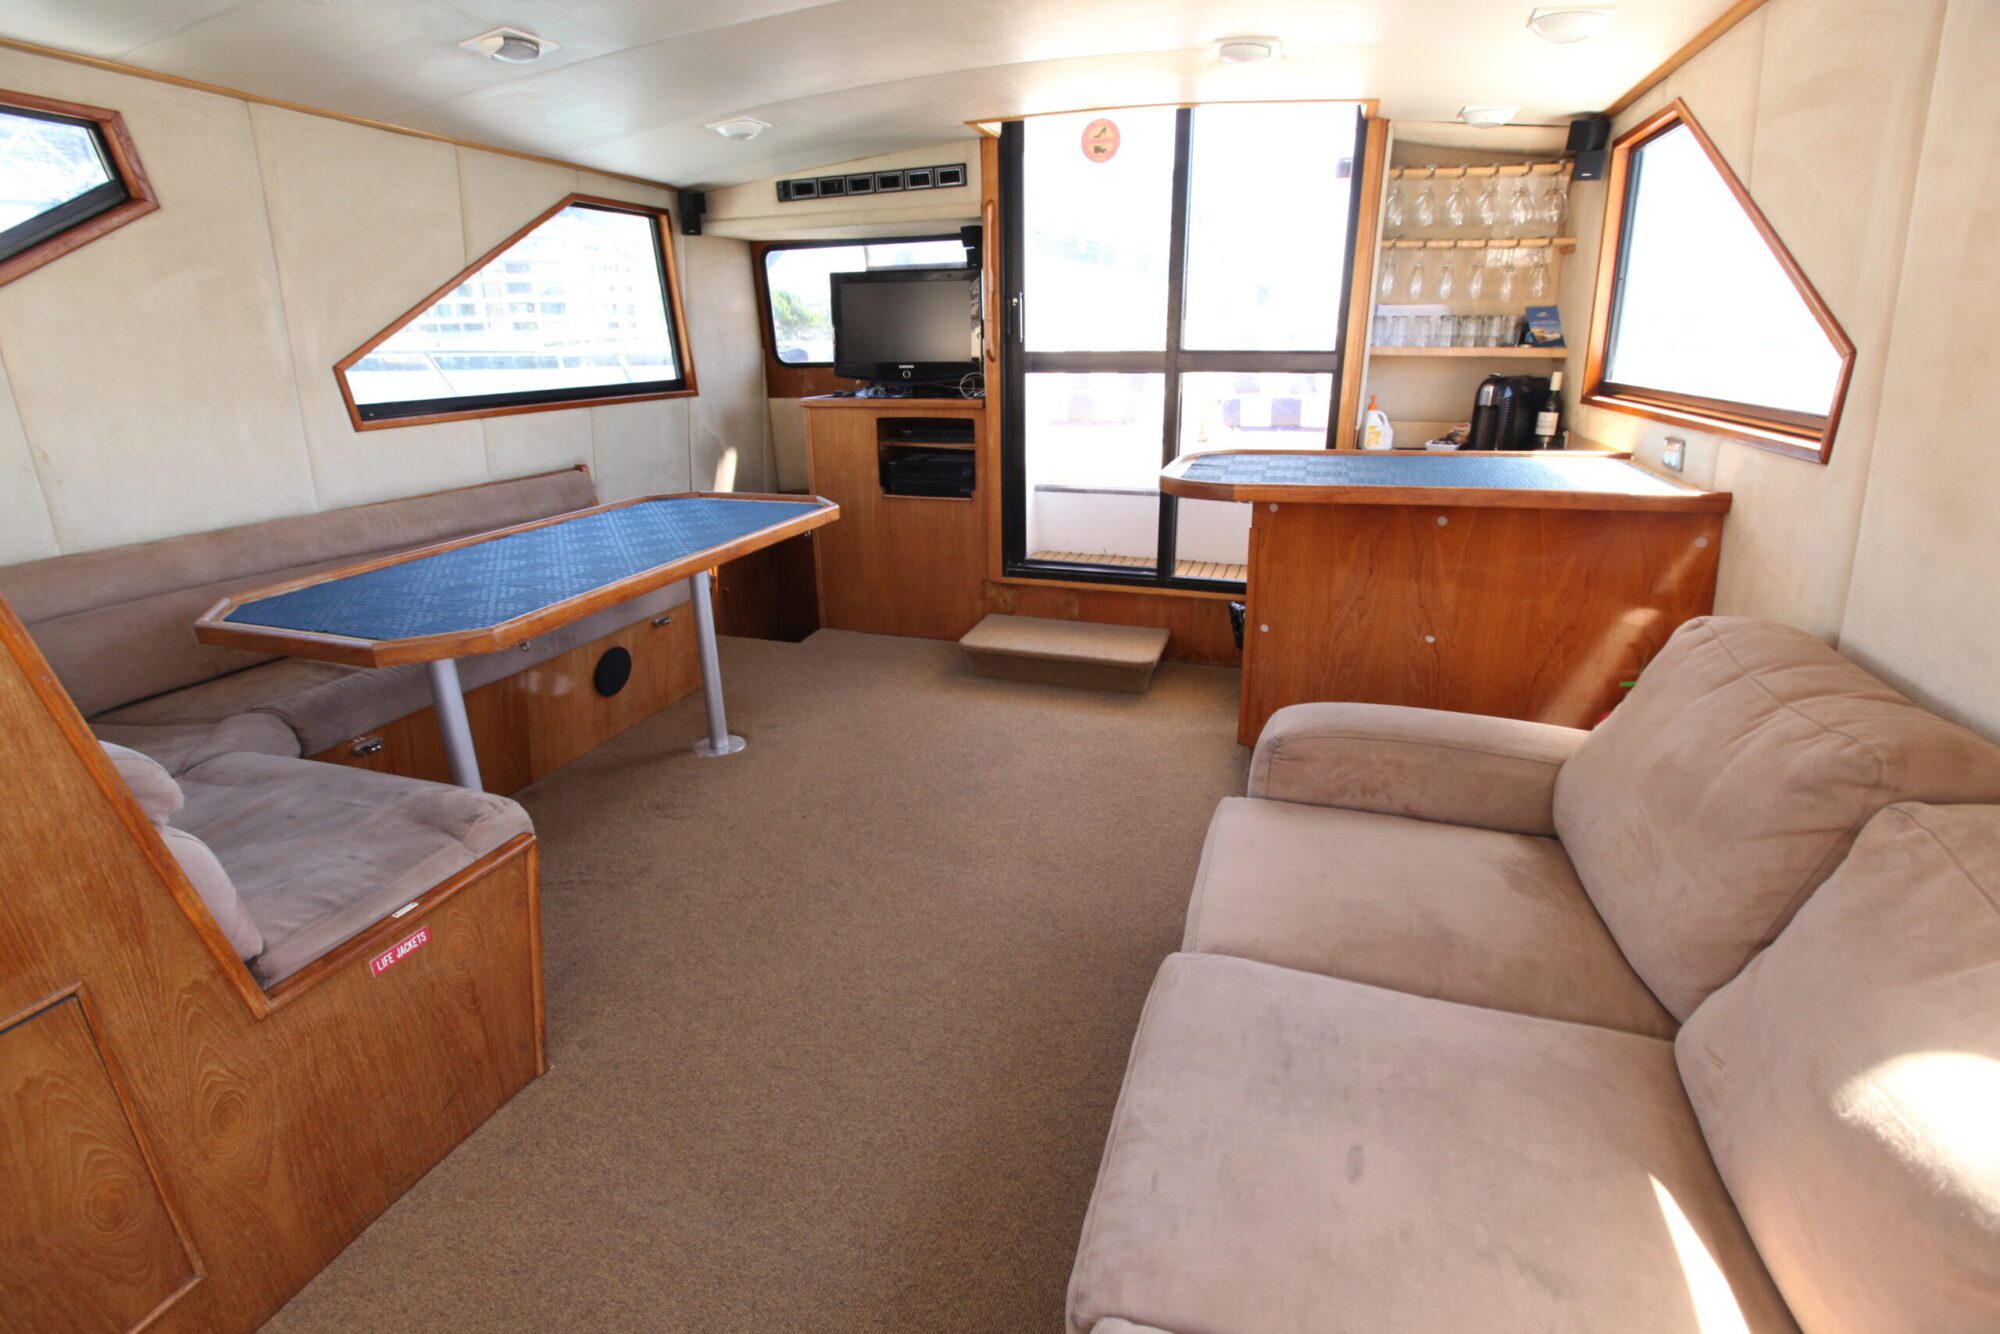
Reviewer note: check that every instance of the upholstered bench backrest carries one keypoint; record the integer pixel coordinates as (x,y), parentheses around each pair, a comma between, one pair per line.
(1730,784)
(117,625)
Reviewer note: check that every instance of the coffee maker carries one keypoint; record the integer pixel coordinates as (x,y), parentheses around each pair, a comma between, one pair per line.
(1503,412)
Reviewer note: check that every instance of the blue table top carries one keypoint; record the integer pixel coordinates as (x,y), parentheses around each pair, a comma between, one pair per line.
(1486,472)
(489,583)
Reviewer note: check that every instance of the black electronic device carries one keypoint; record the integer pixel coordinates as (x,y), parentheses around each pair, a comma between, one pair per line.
(1503,412)
(694,203)
(1590,142)
(906,326)
(972,236)
(928,472)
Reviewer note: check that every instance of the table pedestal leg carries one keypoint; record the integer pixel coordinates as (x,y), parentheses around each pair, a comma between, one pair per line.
(448,701)
(718,741)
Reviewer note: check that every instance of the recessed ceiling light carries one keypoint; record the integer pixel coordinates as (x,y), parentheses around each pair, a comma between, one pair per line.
(740,128)
(511,46)
(1246,50)
(1486,118)
(1570,23)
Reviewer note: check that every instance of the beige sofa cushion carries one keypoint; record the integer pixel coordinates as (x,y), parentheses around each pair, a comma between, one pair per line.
(1462,768)
(1849,1083)
(161,798)
(321,851)
(1731,782)
(117,625)
(1294,1154)
(1438,910)
(180,746)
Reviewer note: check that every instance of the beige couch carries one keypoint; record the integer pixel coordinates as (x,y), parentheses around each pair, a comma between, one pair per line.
(1685,1024)
(291,857)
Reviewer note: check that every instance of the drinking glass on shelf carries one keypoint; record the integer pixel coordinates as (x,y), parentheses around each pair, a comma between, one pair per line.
(1492,330)
(1425,209)
(1414,286)
(1455,205)
(1420,331)
(1399,330)
(1396,204)
(1386,288)
(1447,279)
(1468,331)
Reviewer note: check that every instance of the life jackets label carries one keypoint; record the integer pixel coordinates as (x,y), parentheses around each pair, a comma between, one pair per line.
(389,958)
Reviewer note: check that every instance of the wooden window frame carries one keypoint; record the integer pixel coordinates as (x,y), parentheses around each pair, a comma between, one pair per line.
(676,319)
(1801,435)
(125,166)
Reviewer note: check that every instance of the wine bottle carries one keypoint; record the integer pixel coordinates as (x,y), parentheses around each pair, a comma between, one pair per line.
(1548,421)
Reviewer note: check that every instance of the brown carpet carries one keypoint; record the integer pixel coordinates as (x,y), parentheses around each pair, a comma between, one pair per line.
(836,1025)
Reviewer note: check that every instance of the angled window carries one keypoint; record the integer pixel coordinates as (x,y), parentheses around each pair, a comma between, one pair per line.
(68,175)
(580,306)
(798,280)
(1706,321)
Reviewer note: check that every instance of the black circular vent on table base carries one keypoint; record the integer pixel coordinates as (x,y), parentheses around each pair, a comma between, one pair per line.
(614,669)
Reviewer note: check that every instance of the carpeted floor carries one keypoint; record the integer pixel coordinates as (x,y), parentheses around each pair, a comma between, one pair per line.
(836,1025)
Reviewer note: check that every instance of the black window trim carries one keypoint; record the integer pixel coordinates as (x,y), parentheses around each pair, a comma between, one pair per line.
(1016,362)
(411,412)
(770,292)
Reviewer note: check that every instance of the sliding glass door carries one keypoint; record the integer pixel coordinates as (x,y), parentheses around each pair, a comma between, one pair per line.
(1174,280)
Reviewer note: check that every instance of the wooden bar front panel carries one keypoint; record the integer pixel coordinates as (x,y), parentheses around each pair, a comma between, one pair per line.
(1519,613)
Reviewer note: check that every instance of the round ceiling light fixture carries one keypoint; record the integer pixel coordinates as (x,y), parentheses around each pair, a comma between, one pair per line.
(1486,118)
(1571,23)
(510,46)
(739,128)
(1246,50)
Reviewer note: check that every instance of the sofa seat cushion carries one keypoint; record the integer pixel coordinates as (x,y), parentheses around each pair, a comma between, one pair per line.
(325,704)
(320,851)
(1731,782)
(1848,1083)
(1293,1154)
(1465,914)
(181,746)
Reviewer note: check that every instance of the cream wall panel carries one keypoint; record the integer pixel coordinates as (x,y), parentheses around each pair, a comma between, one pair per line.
(641,449)
(788,443)
(498,195)
(365,224)
(730,420)
(150,368)
(26,532)
(1923,609)
(531,442)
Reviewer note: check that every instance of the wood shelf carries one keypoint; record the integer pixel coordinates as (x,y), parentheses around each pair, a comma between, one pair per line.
(1511,353)
(1538,168)
(1561,243)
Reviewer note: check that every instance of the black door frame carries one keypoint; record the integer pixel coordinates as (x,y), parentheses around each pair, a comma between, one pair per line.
(1016,363)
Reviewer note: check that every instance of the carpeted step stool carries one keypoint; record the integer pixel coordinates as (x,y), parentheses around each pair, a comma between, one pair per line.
(1065,653)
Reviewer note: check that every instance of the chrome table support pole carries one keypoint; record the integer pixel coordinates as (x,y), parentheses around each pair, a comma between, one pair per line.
(719,741)
(449,698)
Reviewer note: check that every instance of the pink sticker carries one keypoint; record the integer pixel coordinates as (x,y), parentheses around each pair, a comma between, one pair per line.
(1101,140)
(389,958)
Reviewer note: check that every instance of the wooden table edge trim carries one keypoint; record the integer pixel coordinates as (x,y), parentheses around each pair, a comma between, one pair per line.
(1689,500)
(214,628)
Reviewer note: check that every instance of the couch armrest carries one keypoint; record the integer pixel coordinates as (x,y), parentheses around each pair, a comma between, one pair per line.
(1456,768)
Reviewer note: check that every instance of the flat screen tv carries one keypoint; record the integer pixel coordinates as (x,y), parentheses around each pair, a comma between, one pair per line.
(906,326)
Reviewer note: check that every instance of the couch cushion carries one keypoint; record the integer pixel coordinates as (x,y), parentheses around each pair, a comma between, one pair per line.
(1443,910)
(1730,783)
(161,798)
(1849,1083)
(320,851)
(117,625)
(1294,1154)
(324,704)
(178,747)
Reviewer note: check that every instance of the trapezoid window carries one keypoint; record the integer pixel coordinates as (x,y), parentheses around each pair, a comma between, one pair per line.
(68,175)
(1707,320)
(581,306)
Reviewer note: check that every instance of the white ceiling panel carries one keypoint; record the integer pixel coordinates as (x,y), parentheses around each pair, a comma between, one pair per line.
(636,80)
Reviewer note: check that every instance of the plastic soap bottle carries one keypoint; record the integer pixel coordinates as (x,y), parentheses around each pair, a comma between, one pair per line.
(1377,433)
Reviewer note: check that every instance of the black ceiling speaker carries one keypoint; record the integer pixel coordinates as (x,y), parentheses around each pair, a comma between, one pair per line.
(970,236)
(614,669)
(1590,142)
(694,203)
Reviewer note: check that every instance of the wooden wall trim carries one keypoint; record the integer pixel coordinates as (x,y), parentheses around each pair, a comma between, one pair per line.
(1361,294)
(388,127)
(1700,42)
(124,161)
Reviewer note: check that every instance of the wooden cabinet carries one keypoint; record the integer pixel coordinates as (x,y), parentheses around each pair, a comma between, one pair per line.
(897,565)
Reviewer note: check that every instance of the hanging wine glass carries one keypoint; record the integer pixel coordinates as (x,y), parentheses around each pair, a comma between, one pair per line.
(1447,279)
(1475,282)
(1520,206)
(1415,286)
(1455,205)
(1538,275)
(1426,206)
(1386,288)
(1486,208)
(1555,206)
(1507,278)
(1396,205)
